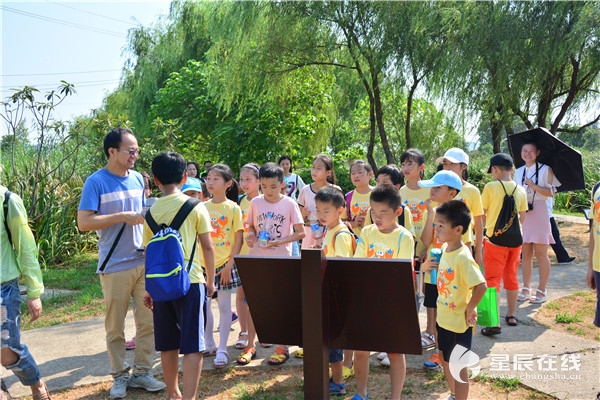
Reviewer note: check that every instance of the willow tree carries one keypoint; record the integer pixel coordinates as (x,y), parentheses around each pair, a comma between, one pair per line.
(258,43)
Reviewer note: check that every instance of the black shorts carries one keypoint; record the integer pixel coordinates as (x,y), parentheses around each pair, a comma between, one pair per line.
(431,295)
(448,340)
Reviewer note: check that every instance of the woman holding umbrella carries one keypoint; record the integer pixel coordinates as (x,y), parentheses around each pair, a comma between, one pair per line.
(539,183)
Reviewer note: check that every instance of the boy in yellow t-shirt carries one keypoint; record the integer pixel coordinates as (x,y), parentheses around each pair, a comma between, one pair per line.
(338,242)
(593,274)
(181,332)
(461,287)
(385,238)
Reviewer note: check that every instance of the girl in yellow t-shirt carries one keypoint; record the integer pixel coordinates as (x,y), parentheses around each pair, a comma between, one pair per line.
(357,200)
(227,234)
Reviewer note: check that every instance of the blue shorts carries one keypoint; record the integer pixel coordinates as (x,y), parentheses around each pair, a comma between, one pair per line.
(179,324)
(336,355)
(26,368)
(448,340)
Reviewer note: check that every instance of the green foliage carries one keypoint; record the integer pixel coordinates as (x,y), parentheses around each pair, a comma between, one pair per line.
(567,318)
(186,119)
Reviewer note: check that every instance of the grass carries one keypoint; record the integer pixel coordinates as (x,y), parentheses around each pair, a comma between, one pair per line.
(78,275)
(567,318)
(573,314)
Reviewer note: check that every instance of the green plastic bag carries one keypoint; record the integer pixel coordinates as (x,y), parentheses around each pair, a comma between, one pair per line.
(487,309)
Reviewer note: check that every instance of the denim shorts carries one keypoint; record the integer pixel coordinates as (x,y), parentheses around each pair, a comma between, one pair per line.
(25,369)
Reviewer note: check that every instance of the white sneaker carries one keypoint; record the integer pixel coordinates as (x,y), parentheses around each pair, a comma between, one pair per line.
(386,361)
(147,382)
(119,388)
(381,356)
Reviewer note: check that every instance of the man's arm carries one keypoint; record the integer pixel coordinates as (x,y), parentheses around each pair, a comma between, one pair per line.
(89,220)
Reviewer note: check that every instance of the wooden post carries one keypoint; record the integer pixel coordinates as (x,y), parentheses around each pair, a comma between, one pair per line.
(314,323)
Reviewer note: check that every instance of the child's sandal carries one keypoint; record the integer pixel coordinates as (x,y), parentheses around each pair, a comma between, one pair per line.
(522,296)
(242,341)
(279,356)
(247,355)
(539,299)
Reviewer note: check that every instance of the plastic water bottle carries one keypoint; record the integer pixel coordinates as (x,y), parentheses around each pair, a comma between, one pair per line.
(315,227)
(435,255)
(263,234)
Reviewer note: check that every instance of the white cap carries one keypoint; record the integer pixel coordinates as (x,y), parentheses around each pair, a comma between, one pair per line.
(455,156)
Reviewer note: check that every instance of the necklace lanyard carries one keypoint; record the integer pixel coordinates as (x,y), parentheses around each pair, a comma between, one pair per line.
(537,170)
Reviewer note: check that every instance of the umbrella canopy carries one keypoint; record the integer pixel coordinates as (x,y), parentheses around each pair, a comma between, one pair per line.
(564,160)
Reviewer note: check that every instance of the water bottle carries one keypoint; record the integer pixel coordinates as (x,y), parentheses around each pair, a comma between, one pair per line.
(263,234)
(315,227)
(435,255)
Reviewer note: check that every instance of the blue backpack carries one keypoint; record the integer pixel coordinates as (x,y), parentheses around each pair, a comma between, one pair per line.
(167,278)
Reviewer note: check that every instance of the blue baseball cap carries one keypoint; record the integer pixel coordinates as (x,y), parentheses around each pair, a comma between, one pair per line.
(191,184)
(441,178)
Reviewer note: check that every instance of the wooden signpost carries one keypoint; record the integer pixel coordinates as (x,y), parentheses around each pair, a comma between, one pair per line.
(343,303)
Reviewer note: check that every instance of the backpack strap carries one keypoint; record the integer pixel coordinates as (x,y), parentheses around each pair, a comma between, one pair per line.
(240,198)
(183,212)
(349,231)
(5,206)
(348,201)
(112,248)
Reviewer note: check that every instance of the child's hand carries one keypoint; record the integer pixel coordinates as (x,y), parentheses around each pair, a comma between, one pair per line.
(429,264)
(251,239)
(210,289)
(359,220)
(274,243)
(471,316)
(305,212)
(429,207)
(589,278)
(423,256)
(225,274)
(148,302)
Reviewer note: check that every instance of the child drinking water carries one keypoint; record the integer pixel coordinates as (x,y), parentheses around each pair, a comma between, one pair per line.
(357,200)
(227,237)
(323,175)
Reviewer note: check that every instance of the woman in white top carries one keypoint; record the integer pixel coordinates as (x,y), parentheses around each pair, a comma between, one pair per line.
(539,183)
(293,182)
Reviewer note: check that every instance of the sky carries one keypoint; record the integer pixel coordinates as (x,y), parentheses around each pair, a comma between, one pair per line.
(81,42)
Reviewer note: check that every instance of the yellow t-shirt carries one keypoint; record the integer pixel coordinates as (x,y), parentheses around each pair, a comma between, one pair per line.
(196,223)
(458,274)
(359,207)
(492,199)
(226,220)
(596,229)
(339,242)
(470,195)
(244,205)
(415,201)
(375,244)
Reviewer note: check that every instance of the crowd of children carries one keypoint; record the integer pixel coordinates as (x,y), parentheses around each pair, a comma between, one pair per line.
(394,218)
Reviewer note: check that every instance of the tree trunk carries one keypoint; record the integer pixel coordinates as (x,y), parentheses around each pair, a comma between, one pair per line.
(371,145)
(496,126)
(389,156)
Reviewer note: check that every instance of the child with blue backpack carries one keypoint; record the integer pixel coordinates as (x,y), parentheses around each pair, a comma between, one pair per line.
(179,323)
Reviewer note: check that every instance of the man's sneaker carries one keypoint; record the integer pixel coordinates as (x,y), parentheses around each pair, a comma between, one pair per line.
(433,362)
(567,261)
(119,388)
(147,382)
(335,389)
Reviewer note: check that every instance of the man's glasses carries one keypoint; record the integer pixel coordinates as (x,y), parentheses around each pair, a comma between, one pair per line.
(132,152)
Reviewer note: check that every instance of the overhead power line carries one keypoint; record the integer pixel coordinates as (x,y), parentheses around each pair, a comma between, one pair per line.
(63,73)
(65,23)
(48,86)
(93,13)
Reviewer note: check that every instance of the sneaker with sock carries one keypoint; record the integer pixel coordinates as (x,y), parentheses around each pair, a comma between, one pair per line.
(433,362)
(450,397)
(336,389)
(146,381)
(119,387)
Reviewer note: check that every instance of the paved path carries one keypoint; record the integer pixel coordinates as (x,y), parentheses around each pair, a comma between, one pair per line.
(74,354)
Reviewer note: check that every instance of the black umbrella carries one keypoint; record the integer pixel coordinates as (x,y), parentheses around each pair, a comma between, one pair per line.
(564,160)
